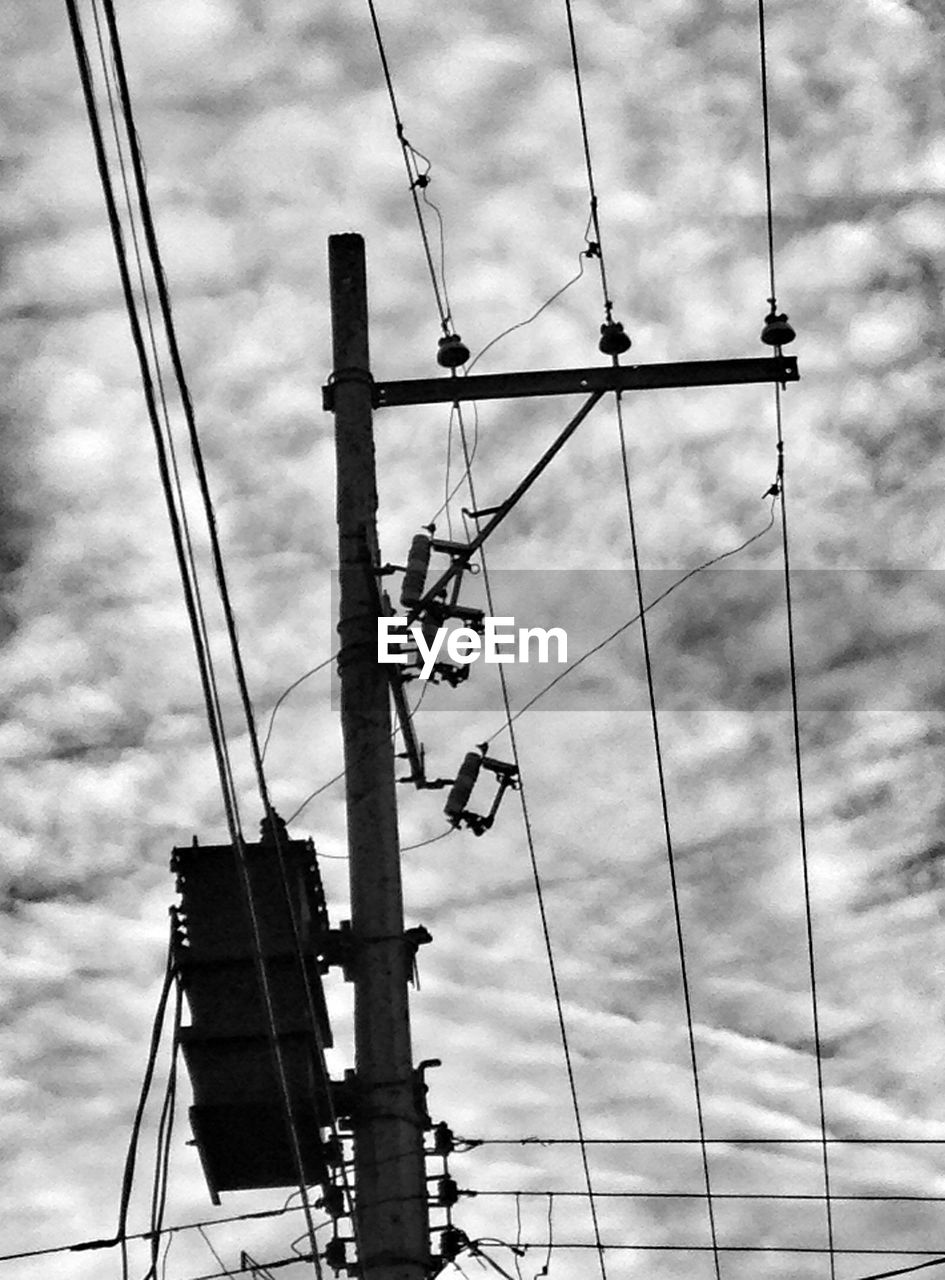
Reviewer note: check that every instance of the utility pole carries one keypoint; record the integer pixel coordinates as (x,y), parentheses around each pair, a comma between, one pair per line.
(391,1209)
(390,1191)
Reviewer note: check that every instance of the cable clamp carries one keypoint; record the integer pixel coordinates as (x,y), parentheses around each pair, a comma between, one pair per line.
(349,374)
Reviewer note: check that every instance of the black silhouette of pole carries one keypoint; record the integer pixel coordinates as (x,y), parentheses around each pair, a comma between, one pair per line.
(390,1192)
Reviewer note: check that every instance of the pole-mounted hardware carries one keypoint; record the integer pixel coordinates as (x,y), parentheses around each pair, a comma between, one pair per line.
(572,382)
(473,763)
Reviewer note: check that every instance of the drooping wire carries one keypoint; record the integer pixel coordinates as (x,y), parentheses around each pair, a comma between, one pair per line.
(573,666)
(595,247)
(667,828)
(416,178)
(534,316)
(433,839)
(802,829)
(450,493)
(203,657)
(285,693)
(540,897)
(589,653)
(343,773)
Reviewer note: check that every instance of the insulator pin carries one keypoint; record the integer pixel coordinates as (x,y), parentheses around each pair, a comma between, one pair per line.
(452,351)
(418,562)
(462,788)
(613,340)
(777,332)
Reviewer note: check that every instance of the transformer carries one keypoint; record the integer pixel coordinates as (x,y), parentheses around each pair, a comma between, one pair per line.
(238,1116)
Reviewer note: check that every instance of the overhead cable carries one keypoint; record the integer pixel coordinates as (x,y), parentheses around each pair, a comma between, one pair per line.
(539,891)
(417,178)
(667,831)
(203,658)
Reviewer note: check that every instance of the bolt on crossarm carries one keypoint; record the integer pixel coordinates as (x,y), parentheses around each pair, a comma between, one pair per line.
(391,1206)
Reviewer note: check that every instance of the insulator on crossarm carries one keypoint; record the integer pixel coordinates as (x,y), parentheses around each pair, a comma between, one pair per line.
(452,351)
(461,790)
(777,332)
(418,562)
(613,340)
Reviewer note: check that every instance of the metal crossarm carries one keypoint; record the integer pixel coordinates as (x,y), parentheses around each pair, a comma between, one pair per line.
(556,382)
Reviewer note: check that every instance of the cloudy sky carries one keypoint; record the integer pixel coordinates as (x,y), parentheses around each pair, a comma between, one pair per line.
(265,128)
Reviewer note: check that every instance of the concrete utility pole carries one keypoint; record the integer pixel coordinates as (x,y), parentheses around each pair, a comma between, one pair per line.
(391,1208)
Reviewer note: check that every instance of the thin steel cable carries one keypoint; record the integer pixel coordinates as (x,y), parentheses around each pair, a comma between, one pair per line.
(667,829)
(114,221)
(802,827)
(338,776)
(739,1248)
(413,172)
(223,589)
(107,76)
(585,138)
(540,897)
(203,658)
(216,1257)
(521,324)
(456,408)
(165,1134)
(285,693)
(589,653)
(88,1246)
(766,126)
(736,1140)
(127,1181)
(902,1271)
(433,839)
(701,1195)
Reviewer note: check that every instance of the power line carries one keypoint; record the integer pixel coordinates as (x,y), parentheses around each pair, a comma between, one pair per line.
(595,247)
(905,1197)
(901,1271)
(87,1246)
(766,129)
(202,651)
(802,827)
(736,1140)
(589,653)
(667,829)
(539,893)
(285,693)
(417,180)
(936,1254)
(534,316)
